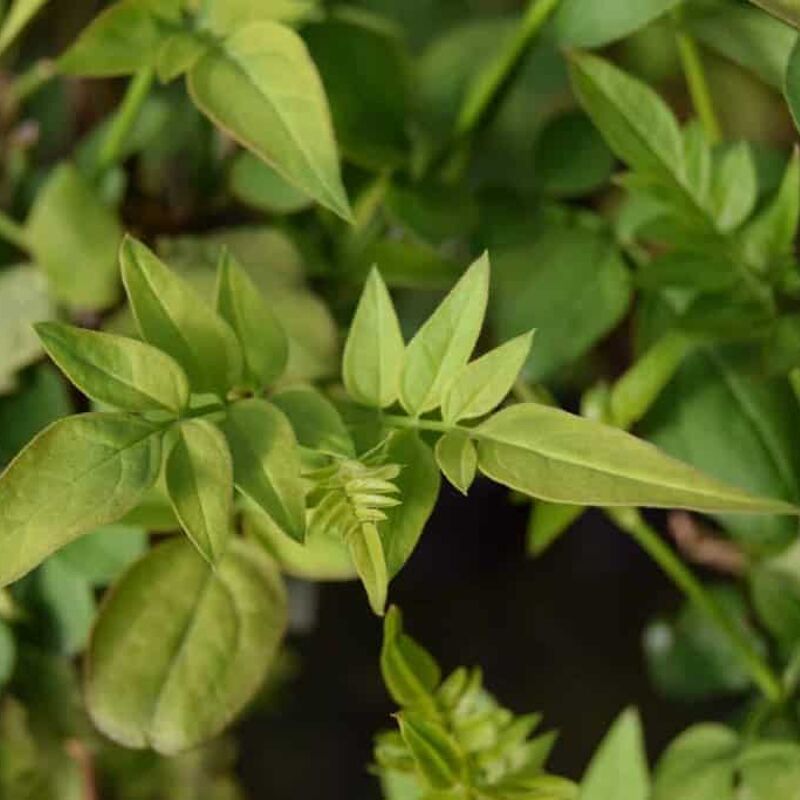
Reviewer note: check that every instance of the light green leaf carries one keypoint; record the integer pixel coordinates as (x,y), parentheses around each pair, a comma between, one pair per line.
(548,522)
(734,189)
(366,550)
(791,86)
(80,473)
(618,770)
(226,16)
(16,20)
(770,770)
(553,455)
(585,23)
(261,336)
(418,483)
(180,648)
(434,750)
(443,345)
(258,185)
(179,53)
(457,459)
(788,10)
(74,238)
(373,353)
(199,477)
(698,765)
(776,600)
(265,69)
(123,38)
(103,555)
(174,318)
(409,671)
(8,653)
(481,385)
(316,422)
(266,464)
(121,372)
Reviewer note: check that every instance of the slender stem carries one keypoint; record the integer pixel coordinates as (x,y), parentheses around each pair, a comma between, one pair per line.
(124,119)
(695,74)
(648,539)
(203,411)
(29,82)
(419,424)
(13,232)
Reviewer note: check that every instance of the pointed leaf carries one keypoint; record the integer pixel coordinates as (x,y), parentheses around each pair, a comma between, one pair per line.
(261,336)
(17,18)
(121,372)
(366,551)
(266,464)
(556,456)
(787,10)
(584,23)
(373,353)
(180,648)
(80,473)
(734,189)
(262,87)
(174,318)
(434,750)
(457,459)
(443,345)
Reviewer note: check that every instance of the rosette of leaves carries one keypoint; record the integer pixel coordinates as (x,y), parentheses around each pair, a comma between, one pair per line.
(454,740)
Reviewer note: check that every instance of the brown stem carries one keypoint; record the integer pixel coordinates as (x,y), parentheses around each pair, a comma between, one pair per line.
(82,756)
(701,545)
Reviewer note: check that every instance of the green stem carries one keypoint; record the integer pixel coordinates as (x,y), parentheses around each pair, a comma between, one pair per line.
(649,540)
(124,119)
(13,232)
(696,80)
(419,424)
(204,411)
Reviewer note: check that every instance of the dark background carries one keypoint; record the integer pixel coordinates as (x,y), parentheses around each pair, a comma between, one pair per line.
(559,634)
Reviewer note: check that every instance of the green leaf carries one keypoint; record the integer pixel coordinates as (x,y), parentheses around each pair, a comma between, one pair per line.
(457,459)
(373,352)
(366,550)
(553,455)
(265,68)
(123,373)
(787,10)
(434,750)
(16,20)
(80,473)
(734,189)
(584,23)
(444,343)
(266,464)
(174,318)
(418,483)
(770,770)
(737,426)
(618,770)
(225,16)
(170,681)
(571,309)
(74,238)
(771,233)
(199,476)
(776,598)
(261,337)
(316,422)
(548,522)
(409,671)
(371,124)
(791,86)
(103,555)
(123,38)
(8,653)
(481,385)
(178,54)
(258,185)
(703,272)
(698,765)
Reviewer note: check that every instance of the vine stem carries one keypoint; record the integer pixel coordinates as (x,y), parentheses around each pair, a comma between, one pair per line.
(124,119)
(632,522)
(695,74)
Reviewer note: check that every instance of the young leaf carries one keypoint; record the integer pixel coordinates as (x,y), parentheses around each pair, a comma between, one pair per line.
(180,648)
(178,54)
(584,23)
(409,671)
(734,189)
(123,38)
(261,336)
(556,456)
(316,422)
(104,554)
(373,352)
(618,770)
(443,345)
(258,185)
(174,318)
(199,477)
(120,372)
(770,770)
(266,464)
(481,385)
(366,550)
(434,750)
(74,238)
(17,18)
(265,68)
(457,459)
(548,522)
(225,16)
(80,473)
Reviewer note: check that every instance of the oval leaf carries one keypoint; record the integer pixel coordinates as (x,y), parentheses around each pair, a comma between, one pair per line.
(457,459)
